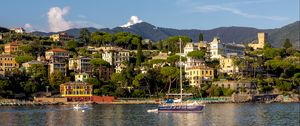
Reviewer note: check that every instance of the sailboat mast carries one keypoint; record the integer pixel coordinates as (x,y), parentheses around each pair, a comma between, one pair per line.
(180,70)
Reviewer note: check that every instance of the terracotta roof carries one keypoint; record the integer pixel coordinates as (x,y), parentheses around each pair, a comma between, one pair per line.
(6,55)
(57,50)
(13,43)
(35,62)
(76,83)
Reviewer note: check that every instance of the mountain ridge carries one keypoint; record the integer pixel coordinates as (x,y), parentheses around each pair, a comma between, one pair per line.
(236,34)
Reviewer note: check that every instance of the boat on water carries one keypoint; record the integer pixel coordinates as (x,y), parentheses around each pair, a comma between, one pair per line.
(182,106)
(179,105)
(80,107)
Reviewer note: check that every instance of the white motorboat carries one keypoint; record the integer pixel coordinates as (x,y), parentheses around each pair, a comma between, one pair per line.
(80,107)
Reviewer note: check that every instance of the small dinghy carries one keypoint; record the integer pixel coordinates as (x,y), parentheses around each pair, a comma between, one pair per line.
(80,107)
(152,110)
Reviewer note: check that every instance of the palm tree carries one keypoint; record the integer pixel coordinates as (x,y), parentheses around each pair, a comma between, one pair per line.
(236,62)
(254,66)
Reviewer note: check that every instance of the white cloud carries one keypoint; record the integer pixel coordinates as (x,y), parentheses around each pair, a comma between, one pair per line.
(28,27)
(215,8)
(133,20)
(56,19)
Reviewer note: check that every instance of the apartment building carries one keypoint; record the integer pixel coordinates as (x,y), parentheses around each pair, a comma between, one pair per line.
(7,64)
(218,49)
(80,64)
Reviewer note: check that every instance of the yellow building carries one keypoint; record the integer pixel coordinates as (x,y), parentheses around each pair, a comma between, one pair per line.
(198,75)
(11,47)
(63,36)
(76,91)
(227,65)
(262,40)
(7,64)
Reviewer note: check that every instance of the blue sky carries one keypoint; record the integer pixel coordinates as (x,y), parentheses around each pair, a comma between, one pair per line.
(56,15)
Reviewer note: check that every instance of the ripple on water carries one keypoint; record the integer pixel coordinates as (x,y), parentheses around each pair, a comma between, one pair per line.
(116,115)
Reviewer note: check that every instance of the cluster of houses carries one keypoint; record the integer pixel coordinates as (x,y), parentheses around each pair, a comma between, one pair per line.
(58,59)
(197,72)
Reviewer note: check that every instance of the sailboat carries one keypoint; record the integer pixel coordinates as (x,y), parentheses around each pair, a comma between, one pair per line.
(179,105)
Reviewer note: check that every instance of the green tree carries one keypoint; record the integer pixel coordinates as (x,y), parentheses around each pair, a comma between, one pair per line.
(98,62)
(139,93)
(267,45)
(108,89)
(72,44)
(4,85)
(26,50)
(172,43)
(140,80)
(149,46)
(296,79)
(227,91)
(97,65)
(196,54)
(174,59)
(217,92)
(171,73)
(139,54)
(84,36)
(29,87)
(38,73)
(23,58)
(160,45)
(101,38)
(123,39)
(270,53)
(150,63)
(94,81)
(287,44)
(119,78)
(56,78)
(236,62)
(200,37)
(83,52)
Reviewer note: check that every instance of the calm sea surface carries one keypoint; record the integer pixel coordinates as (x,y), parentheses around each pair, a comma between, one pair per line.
(136,115)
